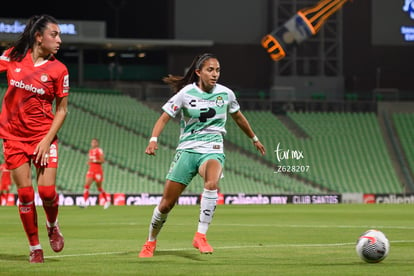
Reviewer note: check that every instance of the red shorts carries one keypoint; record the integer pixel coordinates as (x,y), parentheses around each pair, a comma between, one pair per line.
(16,153)
(96,175)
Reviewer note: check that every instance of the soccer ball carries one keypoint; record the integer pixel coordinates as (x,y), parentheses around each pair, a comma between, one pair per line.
(372,246)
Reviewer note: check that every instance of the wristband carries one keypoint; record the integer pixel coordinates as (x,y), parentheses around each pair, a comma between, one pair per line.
(154,139)
(255,139)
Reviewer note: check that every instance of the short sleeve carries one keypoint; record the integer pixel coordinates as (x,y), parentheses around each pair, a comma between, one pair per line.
(173,105)
(62,84)
(233,103)
(4,61)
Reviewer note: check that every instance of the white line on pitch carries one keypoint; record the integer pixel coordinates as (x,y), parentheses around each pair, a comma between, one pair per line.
(222,247)
(276,225)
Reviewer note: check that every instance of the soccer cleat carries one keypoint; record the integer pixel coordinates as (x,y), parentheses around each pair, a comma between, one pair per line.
(36,256)
(200,242)
(107,204)
(148,249)
(56,239)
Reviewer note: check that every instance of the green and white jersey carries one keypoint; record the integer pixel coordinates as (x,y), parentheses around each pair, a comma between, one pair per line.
(203,116)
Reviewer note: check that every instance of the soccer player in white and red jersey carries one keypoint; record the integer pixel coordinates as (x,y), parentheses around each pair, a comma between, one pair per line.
(5,183)
(95,172)
(29,125)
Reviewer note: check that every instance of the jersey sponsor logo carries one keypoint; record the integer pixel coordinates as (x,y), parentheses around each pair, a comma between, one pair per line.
(218,101)
(27,87)
(66,84)
(174,107)
(206,114)
(192,103)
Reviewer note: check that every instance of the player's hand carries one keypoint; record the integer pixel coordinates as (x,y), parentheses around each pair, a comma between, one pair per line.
(260,147)
(41,153)
(151,148)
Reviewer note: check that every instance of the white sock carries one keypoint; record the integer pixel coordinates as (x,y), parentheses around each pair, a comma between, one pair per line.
(49,224)
(157,221)
(35,247)
(207,207)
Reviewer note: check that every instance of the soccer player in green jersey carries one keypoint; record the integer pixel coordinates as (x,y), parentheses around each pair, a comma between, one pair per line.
(203,105)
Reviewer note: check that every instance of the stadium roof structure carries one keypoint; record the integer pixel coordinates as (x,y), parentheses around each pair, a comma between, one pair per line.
(120,44)
(134,44)
(89,35)
(92,35)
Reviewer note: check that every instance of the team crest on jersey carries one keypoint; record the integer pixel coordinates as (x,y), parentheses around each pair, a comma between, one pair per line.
(219,101)
(17,70)
(44,77)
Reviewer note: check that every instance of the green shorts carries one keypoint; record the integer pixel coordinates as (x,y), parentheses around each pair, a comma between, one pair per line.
(185,165)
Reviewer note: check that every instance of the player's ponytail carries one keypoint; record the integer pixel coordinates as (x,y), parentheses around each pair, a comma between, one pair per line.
(178,82)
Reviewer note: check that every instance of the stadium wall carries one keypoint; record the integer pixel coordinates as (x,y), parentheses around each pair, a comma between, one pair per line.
(144,199)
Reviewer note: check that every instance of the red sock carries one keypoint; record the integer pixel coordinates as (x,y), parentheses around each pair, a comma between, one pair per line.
(103,193)
(28,215)
(50,202)
(86,193)
(3,198)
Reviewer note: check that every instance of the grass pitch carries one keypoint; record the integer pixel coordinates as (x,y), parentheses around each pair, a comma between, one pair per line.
(247,239)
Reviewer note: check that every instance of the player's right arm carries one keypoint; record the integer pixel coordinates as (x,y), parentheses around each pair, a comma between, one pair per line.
(156,132)
(4,60)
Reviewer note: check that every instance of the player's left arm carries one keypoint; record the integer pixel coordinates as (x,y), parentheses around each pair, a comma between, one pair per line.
(244,125)
(101,158)
(60,114)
